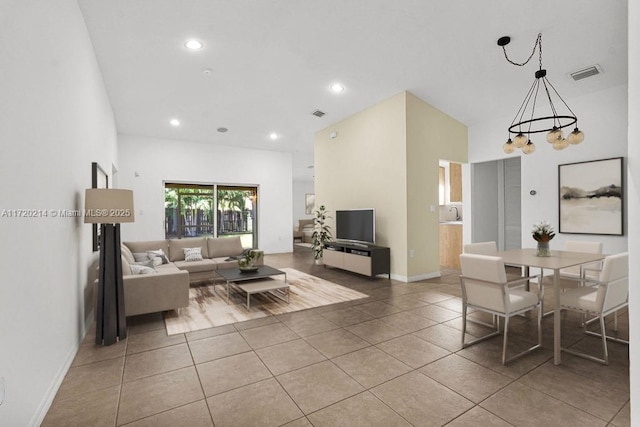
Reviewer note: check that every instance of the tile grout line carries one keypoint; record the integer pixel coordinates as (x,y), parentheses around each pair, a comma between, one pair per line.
(195,367)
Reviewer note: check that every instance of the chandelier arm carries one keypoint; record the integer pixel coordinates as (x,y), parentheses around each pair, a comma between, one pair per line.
(520,64)
(533,107)
(565,104)
(553,107)
(524,104)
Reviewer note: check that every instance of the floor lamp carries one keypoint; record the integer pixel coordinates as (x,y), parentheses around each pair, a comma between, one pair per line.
(109,208)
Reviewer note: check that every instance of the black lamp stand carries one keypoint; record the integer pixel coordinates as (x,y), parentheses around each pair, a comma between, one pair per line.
(111,322)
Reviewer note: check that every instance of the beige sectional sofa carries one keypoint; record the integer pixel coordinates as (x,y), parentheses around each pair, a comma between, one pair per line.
(167,287)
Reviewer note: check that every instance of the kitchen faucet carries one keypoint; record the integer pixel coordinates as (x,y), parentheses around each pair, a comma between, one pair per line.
(457,212)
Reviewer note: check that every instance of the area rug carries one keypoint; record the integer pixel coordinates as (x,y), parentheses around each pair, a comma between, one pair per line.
(207,309)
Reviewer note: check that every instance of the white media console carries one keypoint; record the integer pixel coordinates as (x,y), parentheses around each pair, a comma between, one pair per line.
(369,260)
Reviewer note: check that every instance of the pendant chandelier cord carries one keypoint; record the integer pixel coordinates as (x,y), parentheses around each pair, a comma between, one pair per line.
(537,44)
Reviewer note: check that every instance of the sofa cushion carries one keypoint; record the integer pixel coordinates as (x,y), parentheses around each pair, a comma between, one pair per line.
(157,257)
(224,246)
(177,246)
(224,262)
(141,256)
(192,254)
(196,266)
(126,253)
(167,267)
(150,245)
(142,269)
(126,266)
(305,223)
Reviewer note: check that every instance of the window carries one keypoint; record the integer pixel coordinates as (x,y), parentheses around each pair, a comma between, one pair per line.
(189,211)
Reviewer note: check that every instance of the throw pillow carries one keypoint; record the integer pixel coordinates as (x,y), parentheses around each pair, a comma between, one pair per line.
(141,256)
(156,261)
(141,269)
(146,263)
(159,253)
(192,254)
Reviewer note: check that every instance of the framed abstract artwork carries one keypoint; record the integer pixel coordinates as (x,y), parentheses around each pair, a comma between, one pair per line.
(309,203)
(99,179)
(591,197)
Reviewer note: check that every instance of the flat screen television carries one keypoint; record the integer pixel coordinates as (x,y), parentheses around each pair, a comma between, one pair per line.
(356,225)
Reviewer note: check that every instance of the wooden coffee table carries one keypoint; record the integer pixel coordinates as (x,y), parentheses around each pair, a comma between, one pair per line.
(255,282)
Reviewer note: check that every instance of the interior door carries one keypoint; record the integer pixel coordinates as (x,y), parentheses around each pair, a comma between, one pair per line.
(495,203)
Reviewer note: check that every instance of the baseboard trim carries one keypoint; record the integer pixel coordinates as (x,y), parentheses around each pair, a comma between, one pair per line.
(406,279)
(46,402)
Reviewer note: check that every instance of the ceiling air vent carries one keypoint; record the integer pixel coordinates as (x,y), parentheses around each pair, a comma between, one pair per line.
(586,72)
(318,113)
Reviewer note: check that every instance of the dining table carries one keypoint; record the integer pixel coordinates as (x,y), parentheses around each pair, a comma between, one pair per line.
(558,260)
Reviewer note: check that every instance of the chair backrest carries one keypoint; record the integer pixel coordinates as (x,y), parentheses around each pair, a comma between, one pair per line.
(615,280)
(482,277)
(581,246)
(481,248)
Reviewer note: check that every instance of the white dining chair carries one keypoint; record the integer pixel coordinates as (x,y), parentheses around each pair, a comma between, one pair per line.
(582,246)
(485,288)
(481,248)
(600,298)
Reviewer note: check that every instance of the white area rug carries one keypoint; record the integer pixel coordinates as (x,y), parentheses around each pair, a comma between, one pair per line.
(207,309)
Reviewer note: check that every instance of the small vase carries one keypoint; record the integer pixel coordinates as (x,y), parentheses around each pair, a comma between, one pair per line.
(543,249)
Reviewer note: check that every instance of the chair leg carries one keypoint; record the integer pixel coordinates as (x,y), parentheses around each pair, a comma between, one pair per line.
(505,340)
(540,312)
(615,321)
(605,352)
(464,322)
(603,336)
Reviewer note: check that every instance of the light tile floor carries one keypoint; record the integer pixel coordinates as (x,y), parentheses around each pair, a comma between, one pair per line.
(392,359)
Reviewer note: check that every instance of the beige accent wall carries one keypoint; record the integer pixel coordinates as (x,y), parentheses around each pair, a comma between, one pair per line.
(364,166)
(431,135)
(386,157)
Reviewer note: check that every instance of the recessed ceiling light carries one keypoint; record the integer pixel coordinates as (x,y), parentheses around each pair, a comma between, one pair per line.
(207,71)
(222,130)
(193,44)
(273,135)
(174,122)
(337,88)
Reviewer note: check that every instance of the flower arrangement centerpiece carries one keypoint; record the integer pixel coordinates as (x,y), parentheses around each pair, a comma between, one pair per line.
(543,232)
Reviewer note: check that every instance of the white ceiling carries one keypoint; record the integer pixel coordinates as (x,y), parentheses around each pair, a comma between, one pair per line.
(272,61)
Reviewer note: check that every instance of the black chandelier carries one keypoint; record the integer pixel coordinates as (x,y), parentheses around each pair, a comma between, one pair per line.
(526,123)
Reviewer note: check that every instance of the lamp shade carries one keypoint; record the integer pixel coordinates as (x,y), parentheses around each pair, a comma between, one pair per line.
(108,206)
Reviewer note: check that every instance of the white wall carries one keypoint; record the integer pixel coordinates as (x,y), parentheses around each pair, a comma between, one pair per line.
(633,183)
(55,119)
(161,160)
(602,117)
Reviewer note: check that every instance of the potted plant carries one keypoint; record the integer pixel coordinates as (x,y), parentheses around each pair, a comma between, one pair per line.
(321,233)
(248,259)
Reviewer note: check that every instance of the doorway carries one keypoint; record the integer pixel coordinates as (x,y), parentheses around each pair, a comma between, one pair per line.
(496,203)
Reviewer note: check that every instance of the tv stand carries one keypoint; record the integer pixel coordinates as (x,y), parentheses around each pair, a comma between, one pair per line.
(362,245)
(369,260)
